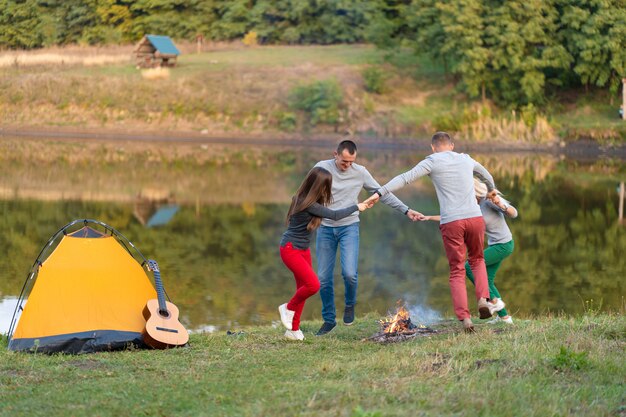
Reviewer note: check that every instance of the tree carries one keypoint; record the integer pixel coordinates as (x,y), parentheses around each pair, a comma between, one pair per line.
(503,49)
(594,33)
(20,24)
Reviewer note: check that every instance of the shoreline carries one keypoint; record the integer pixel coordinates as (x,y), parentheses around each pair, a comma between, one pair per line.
(580,149)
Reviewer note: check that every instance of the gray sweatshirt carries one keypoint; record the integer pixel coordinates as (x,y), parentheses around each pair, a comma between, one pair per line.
(452,175)
(346,188)
(495,223)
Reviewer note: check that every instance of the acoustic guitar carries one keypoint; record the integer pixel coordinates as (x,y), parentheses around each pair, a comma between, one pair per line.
(163,330)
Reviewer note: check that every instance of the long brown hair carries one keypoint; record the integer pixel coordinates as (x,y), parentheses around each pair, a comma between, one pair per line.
(315,188)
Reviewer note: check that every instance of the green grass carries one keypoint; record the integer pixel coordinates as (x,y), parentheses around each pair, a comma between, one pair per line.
(553,366)
(590,114)
(254,57)
(276,56)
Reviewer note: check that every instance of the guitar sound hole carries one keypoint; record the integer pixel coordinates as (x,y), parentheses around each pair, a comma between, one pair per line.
(164,313)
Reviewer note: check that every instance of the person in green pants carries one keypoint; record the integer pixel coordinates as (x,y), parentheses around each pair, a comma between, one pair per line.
(499,239)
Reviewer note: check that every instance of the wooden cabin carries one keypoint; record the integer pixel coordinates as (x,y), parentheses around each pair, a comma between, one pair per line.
(155,51)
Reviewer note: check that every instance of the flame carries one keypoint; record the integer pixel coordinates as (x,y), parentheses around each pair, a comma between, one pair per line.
(400,322)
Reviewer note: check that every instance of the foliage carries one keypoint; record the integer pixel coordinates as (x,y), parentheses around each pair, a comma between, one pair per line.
(321,101)
(515,51)
(34,23)
(19,24)
(498,48)
(251,39)
(320,22)
(287,121)
(374,79)
(594,33)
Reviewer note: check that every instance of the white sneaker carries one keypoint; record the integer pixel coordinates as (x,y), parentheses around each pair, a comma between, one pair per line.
(494,308)
(294,335)
(286,316)
(498,319)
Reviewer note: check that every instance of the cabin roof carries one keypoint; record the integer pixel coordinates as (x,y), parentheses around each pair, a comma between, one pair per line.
(163,44)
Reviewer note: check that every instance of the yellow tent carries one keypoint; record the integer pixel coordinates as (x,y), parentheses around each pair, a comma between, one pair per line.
(88,295)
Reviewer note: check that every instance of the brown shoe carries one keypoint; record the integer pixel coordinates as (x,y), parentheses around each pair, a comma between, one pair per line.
(483,309)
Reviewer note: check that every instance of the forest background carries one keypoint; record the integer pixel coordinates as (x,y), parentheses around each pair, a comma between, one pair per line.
(530,71)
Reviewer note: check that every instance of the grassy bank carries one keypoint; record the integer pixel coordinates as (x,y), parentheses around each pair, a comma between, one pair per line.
(552,366)
(239,91)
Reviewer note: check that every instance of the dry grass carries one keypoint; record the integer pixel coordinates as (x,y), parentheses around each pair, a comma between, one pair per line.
(155,74)
(240,98)
(23,59)
(505,129)
(231,90)
(70,55)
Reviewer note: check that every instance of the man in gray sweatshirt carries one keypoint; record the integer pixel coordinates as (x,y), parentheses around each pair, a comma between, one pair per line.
(348,180)
(462,226)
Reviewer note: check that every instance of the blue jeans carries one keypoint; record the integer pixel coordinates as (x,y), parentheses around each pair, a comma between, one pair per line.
(346,238)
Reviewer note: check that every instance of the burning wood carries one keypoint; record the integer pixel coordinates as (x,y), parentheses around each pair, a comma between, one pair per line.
(399,323)
(399,327)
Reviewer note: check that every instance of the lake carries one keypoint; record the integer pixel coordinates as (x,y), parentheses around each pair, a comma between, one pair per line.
(218,247)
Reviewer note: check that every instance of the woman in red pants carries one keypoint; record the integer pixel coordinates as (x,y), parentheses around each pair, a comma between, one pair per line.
(308,207)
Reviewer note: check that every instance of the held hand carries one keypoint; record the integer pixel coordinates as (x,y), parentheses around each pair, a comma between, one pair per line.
(435,218)
(492,195)
(498,202)
(364,206)
(372,200)
(415,215)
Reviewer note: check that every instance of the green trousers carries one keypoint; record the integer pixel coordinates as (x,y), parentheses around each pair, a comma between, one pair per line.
(494,255)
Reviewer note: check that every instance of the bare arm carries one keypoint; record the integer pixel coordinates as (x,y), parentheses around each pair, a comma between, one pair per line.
(503,205)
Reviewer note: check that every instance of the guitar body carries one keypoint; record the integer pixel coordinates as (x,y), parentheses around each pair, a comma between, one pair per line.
(163,332)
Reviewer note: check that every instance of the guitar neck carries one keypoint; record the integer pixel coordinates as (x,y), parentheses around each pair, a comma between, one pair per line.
(159,285)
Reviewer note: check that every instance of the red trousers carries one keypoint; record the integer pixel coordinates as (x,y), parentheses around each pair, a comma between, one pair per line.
(459,237)
(307,284)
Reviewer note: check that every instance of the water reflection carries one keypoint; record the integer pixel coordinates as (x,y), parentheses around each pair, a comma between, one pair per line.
(218,252)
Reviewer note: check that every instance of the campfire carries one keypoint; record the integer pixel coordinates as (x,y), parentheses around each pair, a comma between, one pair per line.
(398,326)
